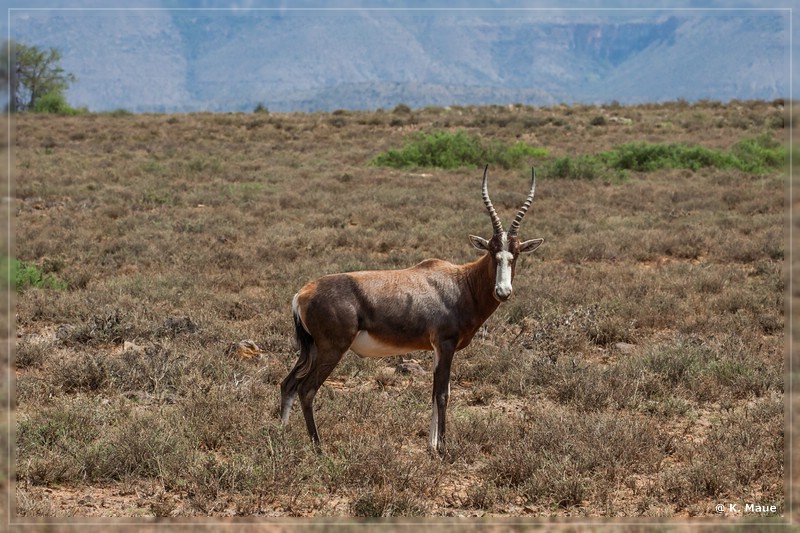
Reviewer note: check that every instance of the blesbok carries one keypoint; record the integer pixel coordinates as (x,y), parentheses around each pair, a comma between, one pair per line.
(433,305)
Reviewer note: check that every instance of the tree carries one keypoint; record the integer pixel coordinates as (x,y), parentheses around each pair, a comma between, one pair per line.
(35,73)
(7,78)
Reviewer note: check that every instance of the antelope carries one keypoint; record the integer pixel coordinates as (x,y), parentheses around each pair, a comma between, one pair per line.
(435,306)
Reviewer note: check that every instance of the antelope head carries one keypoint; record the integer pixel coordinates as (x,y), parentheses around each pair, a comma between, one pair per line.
(504,247)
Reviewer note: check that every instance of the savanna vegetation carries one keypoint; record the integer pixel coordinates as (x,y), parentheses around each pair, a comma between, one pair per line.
(638,371)
(36,80)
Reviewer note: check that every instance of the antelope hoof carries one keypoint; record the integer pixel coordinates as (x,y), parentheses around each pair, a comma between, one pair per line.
(438,450)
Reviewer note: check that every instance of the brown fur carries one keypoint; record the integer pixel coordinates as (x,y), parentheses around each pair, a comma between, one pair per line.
(411,308)
(433,305)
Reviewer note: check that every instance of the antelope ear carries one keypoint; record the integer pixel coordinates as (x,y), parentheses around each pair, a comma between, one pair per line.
(529,246)
(479,242)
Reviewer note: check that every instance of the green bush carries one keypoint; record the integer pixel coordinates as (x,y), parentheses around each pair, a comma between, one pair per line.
(585,167)
(443,149)
(55,103)
(644,157)
(514,155)
(758,156)
(599,120)
(22,276)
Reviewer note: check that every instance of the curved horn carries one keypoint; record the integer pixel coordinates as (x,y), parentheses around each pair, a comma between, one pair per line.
(498,227)
(512,231)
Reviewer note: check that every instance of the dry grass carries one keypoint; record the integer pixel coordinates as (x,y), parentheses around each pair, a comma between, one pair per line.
(637,372)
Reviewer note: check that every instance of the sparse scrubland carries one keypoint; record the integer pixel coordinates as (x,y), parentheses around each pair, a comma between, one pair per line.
(638,371)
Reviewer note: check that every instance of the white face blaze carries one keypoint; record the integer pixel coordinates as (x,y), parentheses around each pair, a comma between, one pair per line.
(502,286)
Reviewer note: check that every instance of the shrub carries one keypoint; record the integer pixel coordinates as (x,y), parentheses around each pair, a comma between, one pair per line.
(384,502)
(111,326)
(599,120)
(645,157)
(757,155)
(31,352)
(54,103)
(514,155)
(585,167)
(443,149)
(23,276)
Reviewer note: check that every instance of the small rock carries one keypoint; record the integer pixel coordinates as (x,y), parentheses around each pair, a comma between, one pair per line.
(625,347)
(64,331)
(410,367)
(245,349)
(621,120)
(128,345)
(179,324)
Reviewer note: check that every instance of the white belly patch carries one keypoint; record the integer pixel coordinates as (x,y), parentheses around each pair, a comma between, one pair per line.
(366,345)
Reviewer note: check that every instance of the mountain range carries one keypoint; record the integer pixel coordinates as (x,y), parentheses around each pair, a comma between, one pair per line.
(178,60)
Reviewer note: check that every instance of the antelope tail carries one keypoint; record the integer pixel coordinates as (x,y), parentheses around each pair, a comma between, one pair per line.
(305,343)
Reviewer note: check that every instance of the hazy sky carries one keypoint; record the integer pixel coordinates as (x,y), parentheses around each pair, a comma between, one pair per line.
(578,9)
